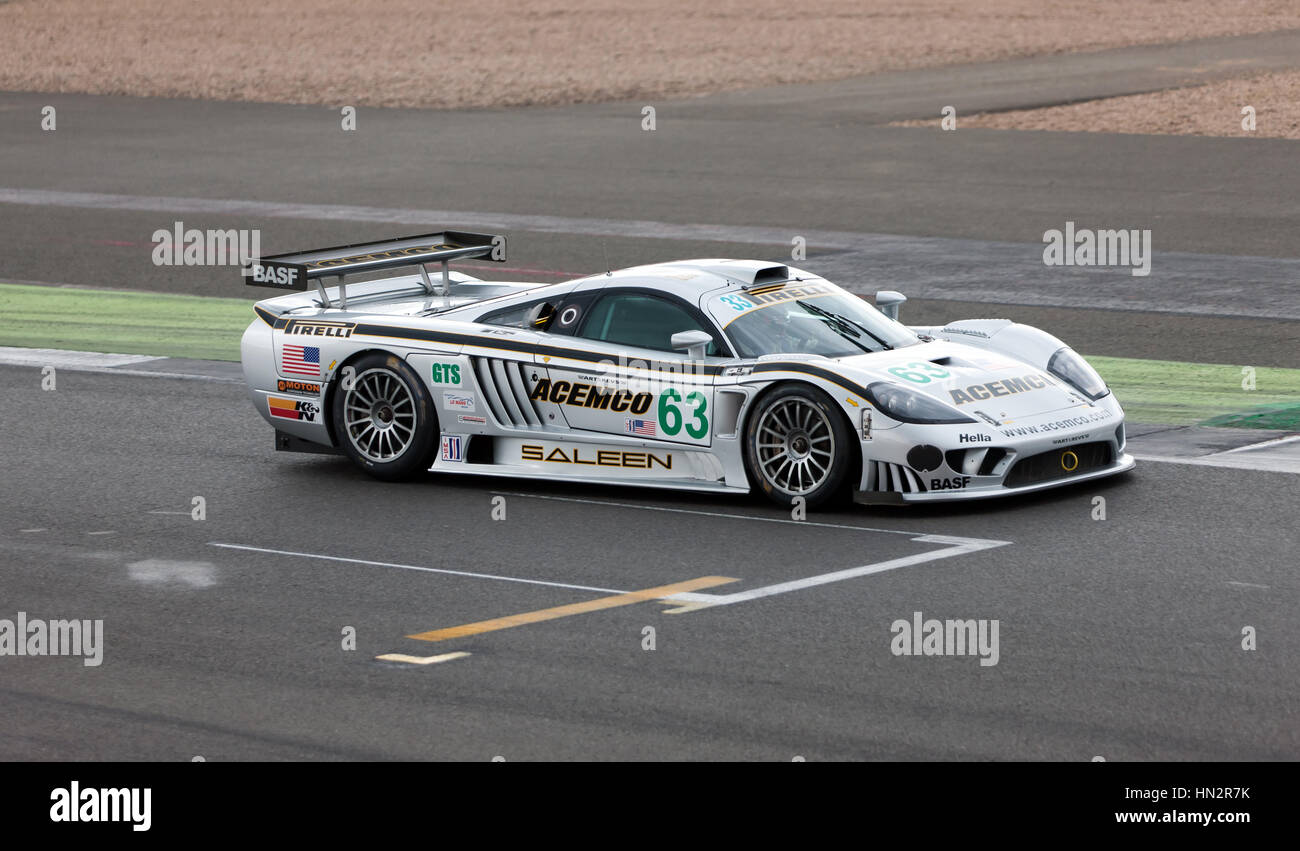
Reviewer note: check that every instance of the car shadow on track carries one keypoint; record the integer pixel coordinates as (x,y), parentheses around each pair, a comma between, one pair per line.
(321,470)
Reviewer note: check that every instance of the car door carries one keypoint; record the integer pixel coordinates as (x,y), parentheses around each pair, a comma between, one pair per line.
(617,374)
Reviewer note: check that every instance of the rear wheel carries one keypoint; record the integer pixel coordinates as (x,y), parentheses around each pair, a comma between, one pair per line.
(797,444)
(384,418)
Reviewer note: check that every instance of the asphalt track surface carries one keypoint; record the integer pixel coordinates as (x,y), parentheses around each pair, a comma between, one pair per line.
(1119,638)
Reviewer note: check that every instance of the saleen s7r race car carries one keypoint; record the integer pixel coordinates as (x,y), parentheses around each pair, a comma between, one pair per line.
(709,375)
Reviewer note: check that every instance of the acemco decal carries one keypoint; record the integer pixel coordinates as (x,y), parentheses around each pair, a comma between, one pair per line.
(1005,387)
(590,396)
(604,458)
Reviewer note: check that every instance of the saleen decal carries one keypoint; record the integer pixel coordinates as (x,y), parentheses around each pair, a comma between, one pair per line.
(305,388)
(1005,387)
(590,396)
(319,328)
(603,457)
(293,409)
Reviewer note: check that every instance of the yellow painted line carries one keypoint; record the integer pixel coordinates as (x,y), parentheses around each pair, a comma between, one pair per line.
(421,660)
(572,609)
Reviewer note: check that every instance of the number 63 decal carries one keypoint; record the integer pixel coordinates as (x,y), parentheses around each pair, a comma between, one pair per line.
(919,372)
(670,413)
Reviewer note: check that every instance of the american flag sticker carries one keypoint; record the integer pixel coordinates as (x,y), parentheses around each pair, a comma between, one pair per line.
(300,360)
(645,428)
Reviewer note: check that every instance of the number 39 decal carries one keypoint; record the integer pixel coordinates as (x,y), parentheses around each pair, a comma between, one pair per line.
(670,413)
(921,373)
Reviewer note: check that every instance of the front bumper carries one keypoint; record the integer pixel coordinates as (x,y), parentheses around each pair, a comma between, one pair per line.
(1122,464)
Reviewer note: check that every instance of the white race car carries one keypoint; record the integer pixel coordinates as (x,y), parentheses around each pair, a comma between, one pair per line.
(706,375)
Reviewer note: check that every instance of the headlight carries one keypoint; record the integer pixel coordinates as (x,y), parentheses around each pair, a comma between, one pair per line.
(1076,372)
(910,406)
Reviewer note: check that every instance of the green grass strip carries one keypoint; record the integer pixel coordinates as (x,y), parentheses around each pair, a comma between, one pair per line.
(209,328)
(133,323)
(1153,391)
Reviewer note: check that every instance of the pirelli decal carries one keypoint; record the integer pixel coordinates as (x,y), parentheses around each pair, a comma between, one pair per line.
(597,458)
(581,395)
(1005,387)
(319,328)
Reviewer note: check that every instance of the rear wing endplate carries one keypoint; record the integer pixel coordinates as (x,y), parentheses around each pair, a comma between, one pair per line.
(299,270)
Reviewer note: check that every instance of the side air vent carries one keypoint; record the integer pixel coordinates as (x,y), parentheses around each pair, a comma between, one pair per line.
(975,461)
(884,476)
(505,389)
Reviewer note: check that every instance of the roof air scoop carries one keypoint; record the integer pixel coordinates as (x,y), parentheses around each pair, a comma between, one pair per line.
(766,275)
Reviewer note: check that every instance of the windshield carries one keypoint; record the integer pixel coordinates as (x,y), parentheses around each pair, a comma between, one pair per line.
(816,318)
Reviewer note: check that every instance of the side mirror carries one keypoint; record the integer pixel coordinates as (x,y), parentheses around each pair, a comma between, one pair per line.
(694,343)
(889,301)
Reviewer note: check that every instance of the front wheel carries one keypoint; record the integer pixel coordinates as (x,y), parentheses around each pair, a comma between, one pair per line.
(384,418)
(797,444)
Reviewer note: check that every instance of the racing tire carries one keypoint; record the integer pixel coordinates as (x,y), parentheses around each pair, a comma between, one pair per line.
(384,418)
(798,444)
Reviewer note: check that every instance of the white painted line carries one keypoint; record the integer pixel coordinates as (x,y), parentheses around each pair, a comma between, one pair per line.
(957,547)
(1263,444)
(76,365)
(1265,464)
(1245,584)
(109,532)
(187,513)
(416,567)
(695,601)
(67,358)
(31,530)
(422,660)
(715,514)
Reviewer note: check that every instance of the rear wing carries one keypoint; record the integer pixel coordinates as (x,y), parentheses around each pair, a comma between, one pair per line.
(298,270)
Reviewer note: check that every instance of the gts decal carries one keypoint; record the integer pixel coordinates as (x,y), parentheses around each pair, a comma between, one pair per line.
(590,396)
(919,372)
(446,373)
(1005,387)
(604,457)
